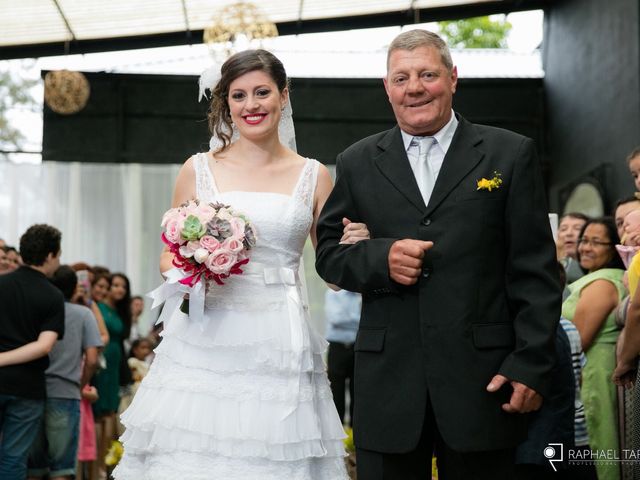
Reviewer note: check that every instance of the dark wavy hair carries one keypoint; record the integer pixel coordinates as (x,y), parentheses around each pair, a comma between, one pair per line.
(219,115)
(66,280)
(38,242)
(122,305)
(136,343)
(612,232)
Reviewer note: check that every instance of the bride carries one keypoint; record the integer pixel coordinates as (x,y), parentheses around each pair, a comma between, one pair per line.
(244,395)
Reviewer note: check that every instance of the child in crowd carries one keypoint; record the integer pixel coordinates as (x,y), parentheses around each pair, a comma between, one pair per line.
(87,436)
(631,239)
(139,361)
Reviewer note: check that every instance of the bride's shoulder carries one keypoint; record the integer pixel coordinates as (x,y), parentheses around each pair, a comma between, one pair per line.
(185,188)
(299,161)
(191,166)
(313,164)
(194,162)
(189,162)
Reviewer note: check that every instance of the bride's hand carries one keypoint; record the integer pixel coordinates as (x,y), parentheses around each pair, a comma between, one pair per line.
(353,232)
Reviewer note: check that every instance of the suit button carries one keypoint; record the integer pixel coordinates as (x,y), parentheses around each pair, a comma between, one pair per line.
(426,222)
(426,272)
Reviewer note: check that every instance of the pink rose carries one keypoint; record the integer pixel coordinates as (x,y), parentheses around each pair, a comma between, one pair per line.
(237,227)
(210,243)
(233,245)
(205,213)
(221,261)
(169,215)
(189,209)
(172,230)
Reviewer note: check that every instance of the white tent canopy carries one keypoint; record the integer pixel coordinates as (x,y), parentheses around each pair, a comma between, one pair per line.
(48,21)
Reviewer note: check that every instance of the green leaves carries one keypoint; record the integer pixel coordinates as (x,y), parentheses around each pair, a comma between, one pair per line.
(15,93)
(478,32)
(193,229)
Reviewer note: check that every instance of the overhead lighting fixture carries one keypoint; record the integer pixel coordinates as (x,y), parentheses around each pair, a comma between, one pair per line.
(66,92)
(236,26)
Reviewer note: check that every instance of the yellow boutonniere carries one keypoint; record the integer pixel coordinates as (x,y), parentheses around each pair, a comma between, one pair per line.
(348,442)
(494,183)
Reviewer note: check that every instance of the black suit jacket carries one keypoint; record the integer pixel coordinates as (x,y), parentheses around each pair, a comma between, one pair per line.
(487,302)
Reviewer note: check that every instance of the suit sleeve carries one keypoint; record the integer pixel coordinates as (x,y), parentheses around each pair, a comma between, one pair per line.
(532,279)
(362,267)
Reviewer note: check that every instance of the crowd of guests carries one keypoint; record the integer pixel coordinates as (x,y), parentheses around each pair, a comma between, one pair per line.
(96,353)
(599,268)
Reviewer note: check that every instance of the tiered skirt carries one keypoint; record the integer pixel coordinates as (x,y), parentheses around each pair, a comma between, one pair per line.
(242,396)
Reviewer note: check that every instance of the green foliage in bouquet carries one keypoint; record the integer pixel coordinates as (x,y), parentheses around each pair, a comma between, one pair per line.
(193,229)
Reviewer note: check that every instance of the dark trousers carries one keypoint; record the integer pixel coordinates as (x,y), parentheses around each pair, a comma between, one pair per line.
(19,421)
(452,465)
(340,371)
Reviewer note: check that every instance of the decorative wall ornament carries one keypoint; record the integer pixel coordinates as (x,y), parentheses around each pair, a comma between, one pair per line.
(66,92)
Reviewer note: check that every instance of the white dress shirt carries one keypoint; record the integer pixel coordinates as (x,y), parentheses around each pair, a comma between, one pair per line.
(437,152)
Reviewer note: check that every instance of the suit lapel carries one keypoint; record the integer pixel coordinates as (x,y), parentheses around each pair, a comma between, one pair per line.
(394,165)
(463,155)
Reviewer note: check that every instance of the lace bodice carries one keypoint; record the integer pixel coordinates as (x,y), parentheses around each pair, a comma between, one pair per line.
(282,224)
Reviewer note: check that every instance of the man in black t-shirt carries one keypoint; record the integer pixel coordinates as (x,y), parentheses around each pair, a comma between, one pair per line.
(31,321)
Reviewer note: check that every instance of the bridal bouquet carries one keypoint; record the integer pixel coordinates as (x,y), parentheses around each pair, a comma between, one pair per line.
(209,240)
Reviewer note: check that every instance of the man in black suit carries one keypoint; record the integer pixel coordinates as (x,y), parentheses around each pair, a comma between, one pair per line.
(460,288)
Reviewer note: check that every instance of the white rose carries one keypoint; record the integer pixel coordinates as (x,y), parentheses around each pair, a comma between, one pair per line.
(201,255)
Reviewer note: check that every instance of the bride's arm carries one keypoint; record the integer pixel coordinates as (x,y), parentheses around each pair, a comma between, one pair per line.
(323,189)
(353,232)
(184,191)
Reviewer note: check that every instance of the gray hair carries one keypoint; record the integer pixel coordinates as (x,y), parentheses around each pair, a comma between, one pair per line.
(413,39)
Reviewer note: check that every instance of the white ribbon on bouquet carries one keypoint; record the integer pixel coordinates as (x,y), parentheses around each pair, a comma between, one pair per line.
(172,293)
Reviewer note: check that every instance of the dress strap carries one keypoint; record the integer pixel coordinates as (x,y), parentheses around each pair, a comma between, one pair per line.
(205,185)
(306,187)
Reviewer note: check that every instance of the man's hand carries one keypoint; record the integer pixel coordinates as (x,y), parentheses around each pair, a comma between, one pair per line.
(353,232)
(523,399)
(405,260)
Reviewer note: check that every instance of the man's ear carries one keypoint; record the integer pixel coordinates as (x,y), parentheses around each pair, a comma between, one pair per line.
(454,79)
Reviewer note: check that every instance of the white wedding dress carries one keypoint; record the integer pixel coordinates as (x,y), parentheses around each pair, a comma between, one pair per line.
(245,395)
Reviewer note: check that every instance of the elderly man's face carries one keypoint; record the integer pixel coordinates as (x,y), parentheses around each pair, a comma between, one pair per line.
(420,90)
(568,232)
